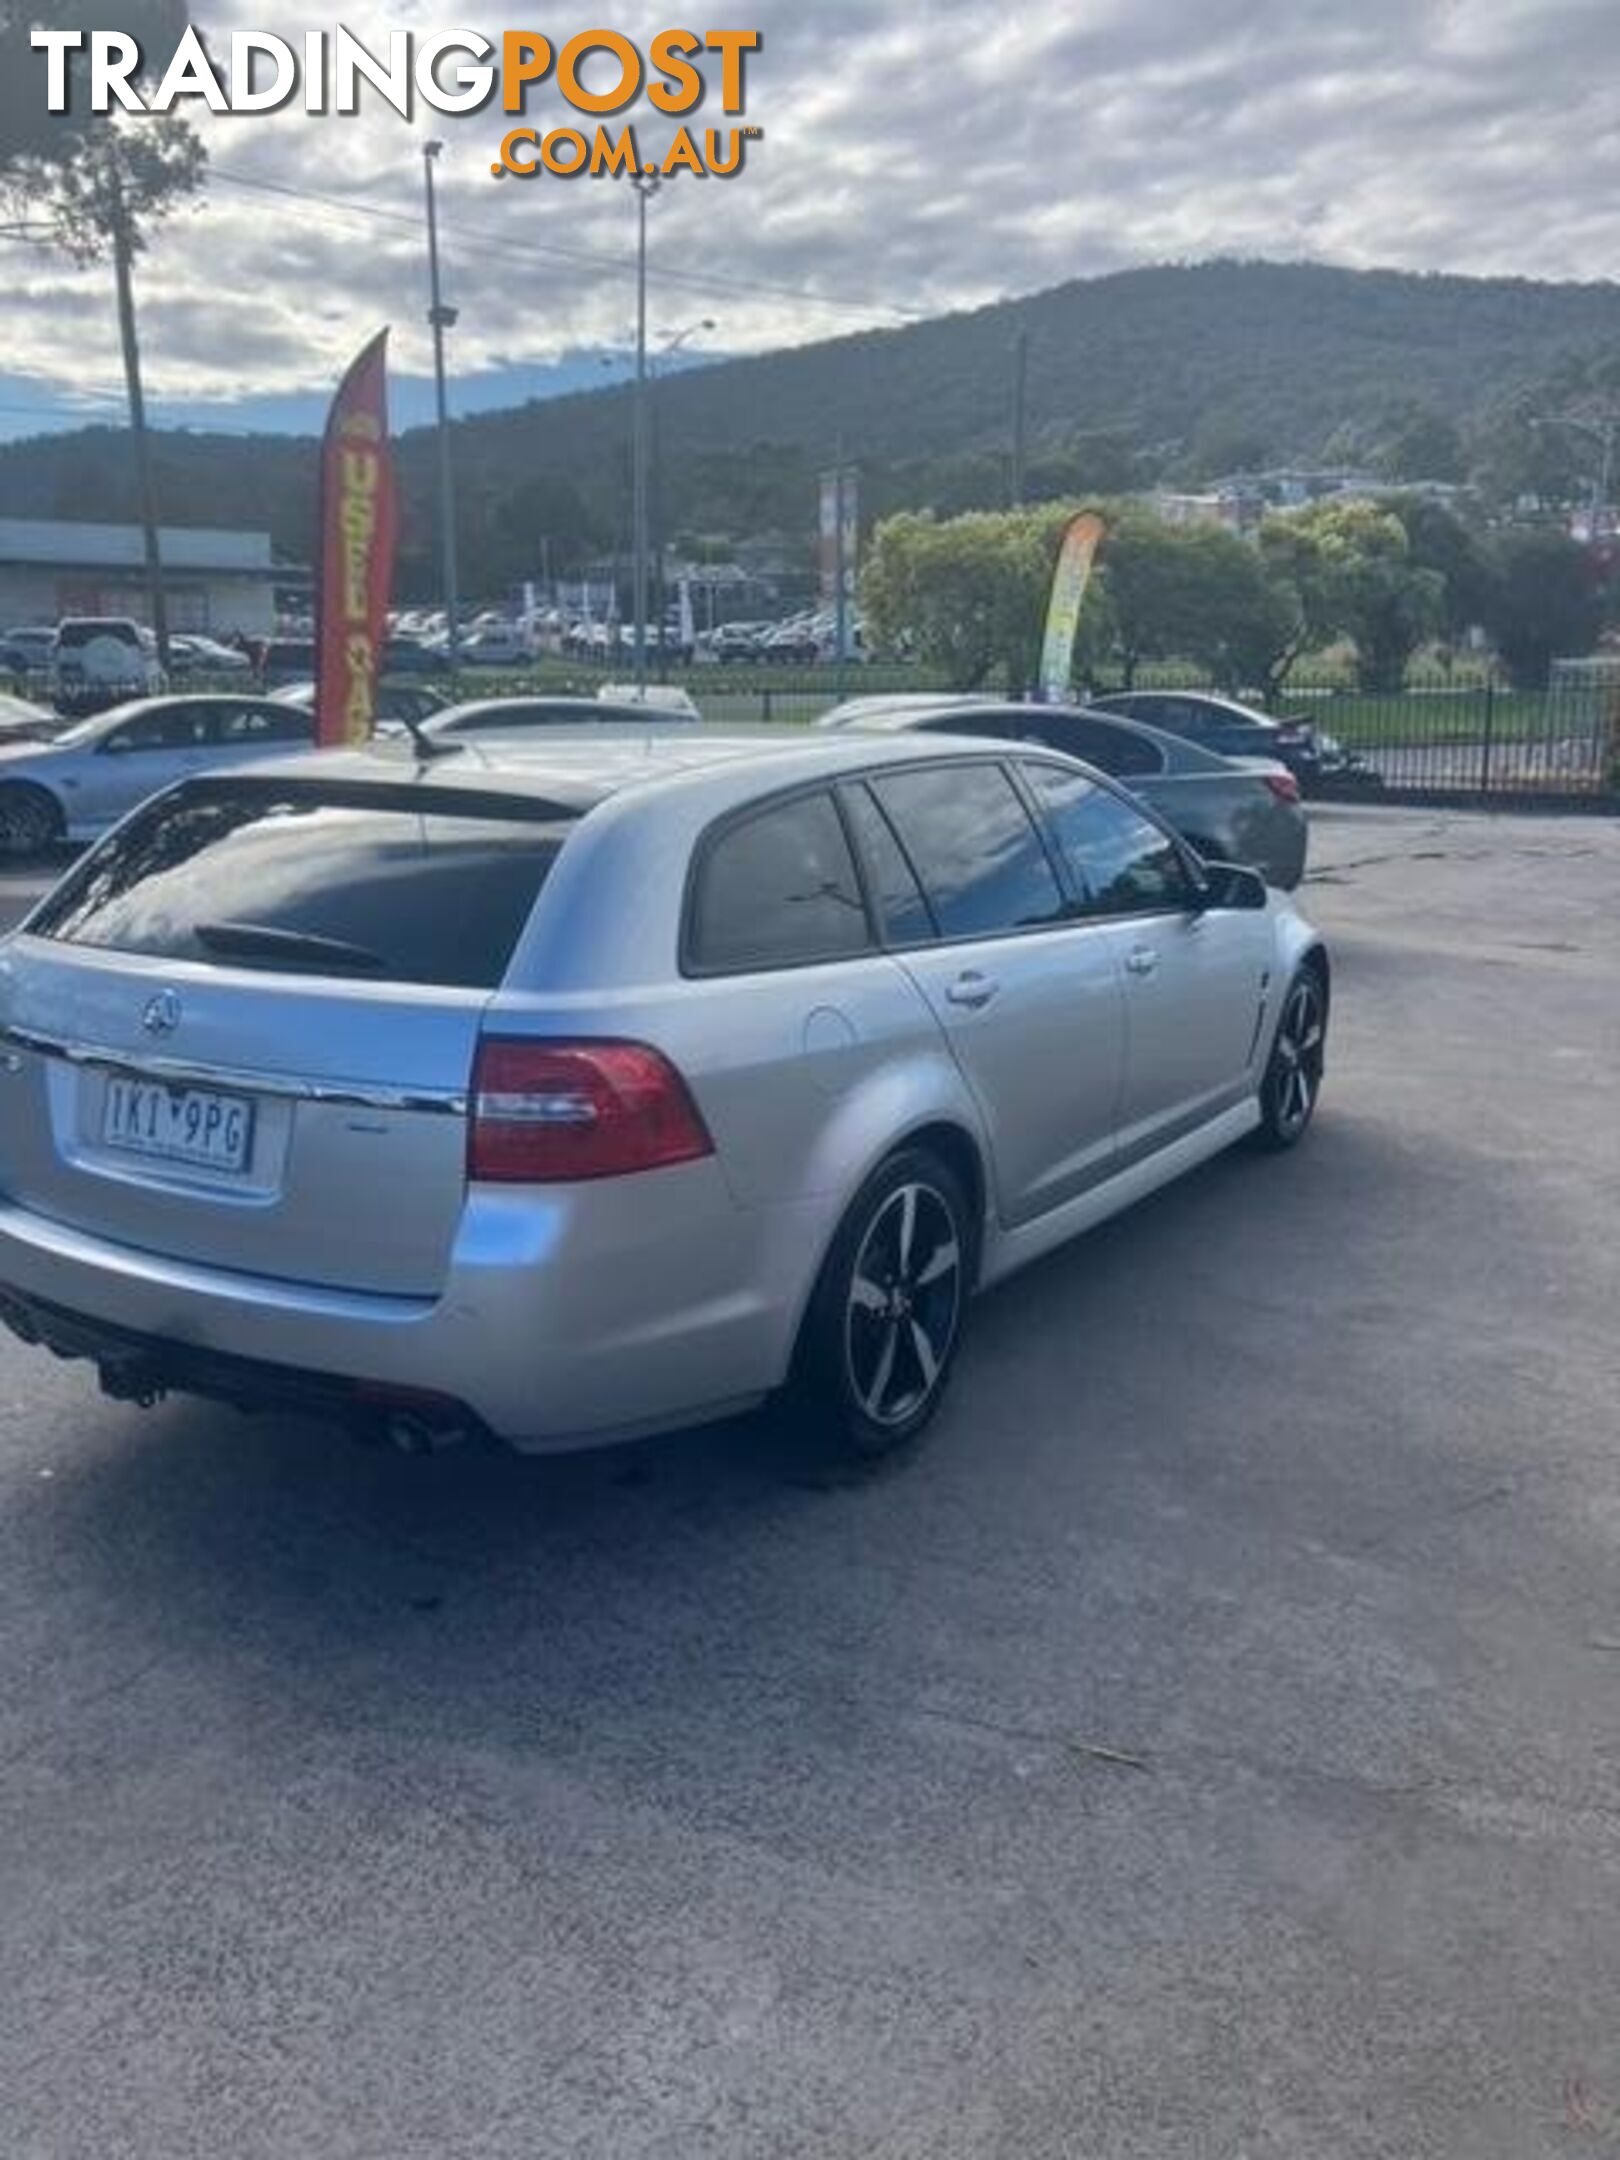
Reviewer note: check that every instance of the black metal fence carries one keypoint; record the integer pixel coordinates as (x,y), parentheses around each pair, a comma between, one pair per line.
(1482,741)
(1459,737)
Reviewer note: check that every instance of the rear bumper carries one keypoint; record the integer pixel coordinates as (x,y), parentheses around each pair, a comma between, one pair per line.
(570,1315)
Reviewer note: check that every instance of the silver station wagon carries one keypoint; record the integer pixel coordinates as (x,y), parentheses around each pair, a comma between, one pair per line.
(566,1095)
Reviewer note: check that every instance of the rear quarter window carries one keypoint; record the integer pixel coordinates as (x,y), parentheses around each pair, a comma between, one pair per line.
(373,884)
(1115,750)
(776,888)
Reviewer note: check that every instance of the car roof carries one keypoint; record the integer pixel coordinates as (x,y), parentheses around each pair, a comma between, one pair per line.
(585,768)
(1205,697)
(911,713)
(488,711)
(852,711)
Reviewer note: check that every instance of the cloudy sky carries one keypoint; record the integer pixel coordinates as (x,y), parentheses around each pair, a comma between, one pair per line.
(916,158)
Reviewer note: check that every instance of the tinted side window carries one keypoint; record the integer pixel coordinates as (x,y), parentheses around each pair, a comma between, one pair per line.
(1185,717)
(778,889)
(1122,862)
(171,727)
(980,859)
(247,724)
(902,910)
(1111,749)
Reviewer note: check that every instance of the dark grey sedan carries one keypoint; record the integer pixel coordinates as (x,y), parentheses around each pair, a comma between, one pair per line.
(1229,729)
(1240,810)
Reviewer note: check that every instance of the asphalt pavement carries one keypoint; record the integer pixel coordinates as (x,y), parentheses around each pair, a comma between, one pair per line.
(1207,1748)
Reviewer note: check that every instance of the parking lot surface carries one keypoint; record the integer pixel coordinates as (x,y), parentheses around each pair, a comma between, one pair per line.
(1208,1746)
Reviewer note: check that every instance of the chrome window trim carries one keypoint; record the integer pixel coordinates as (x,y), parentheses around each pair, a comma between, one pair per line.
(340,1094)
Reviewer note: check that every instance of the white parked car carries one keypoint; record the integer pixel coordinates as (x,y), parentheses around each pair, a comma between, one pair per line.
(101,660)
(668,700)
(190,653)
(91,775)
(496,644)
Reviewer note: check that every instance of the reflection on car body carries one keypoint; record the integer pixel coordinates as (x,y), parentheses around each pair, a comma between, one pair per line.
(569,1094)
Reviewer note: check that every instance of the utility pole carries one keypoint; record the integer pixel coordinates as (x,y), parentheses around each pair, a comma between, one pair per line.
(441,319)
(123,257)
(1019,396)
(672,341)
(646,186)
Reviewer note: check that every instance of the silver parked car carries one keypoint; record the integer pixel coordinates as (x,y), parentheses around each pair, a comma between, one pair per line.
(1231,809)
(90,775)
(572,1094)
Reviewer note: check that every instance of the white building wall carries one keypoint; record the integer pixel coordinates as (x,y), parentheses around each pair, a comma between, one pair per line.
(214,580)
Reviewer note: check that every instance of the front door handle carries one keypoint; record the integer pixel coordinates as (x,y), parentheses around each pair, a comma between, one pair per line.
(971,989)
(1142,960)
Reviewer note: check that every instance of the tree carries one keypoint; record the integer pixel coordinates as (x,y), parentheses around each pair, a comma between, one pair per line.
(1194,593)
(1420,443)
(1225,442)
(90,185)
(969,592)
(1094,461)
(1546,603)
(1437,539)
(1351,567)
(540,520)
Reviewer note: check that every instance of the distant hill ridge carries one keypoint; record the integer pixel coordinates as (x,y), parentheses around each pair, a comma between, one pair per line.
(1273,358)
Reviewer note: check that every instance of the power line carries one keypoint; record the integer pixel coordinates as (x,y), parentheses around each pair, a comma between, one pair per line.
(586,258)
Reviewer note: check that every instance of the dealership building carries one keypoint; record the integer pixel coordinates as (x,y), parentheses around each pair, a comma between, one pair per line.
(213,580)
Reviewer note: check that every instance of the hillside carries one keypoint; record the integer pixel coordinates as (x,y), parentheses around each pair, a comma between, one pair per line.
(1172,371)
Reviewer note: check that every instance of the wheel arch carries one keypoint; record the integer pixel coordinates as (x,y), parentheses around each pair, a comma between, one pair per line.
(1315,957)
(29,784)
(956,1145)
(959,1150)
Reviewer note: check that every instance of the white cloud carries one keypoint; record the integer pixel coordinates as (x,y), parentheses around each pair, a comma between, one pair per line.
(915,158)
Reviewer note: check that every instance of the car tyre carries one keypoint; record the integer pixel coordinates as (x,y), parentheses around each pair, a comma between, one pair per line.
(1293,1078)
(885,1320)
(30,820)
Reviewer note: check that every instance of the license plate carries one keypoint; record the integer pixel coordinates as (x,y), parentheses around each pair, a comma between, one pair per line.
(180,1124)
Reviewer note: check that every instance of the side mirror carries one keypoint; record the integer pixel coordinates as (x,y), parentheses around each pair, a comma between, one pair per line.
(1230,885)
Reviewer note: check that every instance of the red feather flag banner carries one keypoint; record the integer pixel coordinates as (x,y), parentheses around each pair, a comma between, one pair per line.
(358,525)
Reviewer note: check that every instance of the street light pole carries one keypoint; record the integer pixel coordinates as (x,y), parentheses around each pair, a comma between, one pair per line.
(646,186)
(671,341)
(441,319)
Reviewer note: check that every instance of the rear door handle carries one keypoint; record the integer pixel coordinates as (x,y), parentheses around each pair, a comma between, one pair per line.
(971,989)
(1142,960)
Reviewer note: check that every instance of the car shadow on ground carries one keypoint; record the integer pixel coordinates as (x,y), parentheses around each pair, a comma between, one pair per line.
(208,1537)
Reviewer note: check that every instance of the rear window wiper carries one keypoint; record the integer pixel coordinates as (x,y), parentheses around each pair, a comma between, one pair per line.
(263,941)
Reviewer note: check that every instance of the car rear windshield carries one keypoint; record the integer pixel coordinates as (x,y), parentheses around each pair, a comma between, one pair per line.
(85,629)
(376,884)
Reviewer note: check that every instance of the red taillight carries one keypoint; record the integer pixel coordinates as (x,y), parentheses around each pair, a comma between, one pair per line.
(547,1111)
(1283,785)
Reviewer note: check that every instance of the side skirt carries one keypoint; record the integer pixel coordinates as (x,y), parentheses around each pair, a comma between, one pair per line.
(1006,1250)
